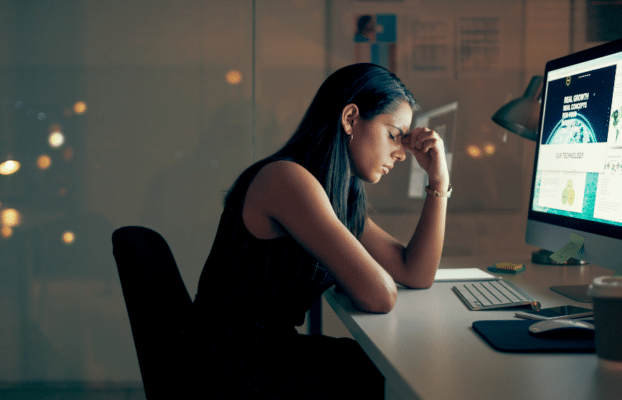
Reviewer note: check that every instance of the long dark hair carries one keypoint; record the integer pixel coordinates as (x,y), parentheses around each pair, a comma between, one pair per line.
(320,144)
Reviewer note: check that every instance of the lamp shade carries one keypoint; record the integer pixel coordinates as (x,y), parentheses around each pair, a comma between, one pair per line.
(522,115)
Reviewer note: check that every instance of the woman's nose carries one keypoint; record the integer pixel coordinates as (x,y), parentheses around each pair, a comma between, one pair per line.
(400,153)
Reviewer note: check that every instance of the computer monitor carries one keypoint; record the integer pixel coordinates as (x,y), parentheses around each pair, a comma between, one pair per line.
(577,176)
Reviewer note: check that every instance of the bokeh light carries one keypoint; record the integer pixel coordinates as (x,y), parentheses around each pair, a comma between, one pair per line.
(68,238)
(10,217)
(233,77)
(474,151)
(490,149)
(56,139)
(44,162)
(79,107)
(9,167)
(6,232)
(68,153)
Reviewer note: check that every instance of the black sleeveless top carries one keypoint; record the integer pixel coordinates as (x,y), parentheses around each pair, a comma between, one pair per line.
(252,293)
(258,280)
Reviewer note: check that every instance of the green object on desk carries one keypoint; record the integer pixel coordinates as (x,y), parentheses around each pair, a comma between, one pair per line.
(507,268)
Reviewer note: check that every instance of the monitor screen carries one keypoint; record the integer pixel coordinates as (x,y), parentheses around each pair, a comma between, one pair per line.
(577,181)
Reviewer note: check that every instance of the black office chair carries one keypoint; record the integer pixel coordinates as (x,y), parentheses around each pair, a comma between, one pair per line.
(158,306)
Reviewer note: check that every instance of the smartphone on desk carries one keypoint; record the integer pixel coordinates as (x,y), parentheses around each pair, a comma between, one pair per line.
(568,312)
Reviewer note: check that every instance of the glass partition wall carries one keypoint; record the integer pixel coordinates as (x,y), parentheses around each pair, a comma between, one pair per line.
(128,113)
(118,113)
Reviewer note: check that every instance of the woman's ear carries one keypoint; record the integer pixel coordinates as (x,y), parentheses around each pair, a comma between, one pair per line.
(349,117)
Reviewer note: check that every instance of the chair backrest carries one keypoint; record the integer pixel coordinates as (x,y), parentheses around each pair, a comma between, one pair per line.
(158,306)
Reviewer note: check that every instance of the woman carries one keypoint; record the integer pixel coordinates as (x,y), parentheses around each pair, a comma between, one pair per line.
(295,223)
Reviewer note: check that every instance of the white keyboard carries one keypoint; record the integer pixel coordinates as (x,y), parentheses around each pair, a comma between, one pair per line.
(487,295)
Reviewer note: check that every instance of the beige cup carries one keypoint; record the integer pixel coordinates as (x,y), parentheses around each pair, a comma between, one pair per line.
(606,292)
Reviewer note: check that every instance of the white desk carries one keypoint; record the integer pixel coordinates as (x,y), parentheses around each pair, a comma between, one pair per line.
(426,348)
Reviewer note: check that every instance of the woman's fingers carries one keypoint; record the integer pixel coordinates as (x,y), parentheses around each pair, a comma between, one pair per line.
(429,150)
(422,139)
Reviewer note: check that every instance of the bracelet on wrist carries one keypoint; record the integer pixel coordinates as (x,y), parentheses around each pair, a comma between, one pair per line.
(433,193)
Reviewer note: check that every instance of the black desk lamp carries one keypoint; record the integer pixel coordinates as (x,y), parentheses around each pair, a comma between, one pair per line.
(522,116)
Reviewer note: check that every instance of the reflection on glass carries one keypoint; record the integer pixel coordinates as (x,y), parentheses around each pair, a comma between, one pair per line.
(68,238)
(233,77)
(56,139)
(79,107)
(489,149)
(44,161)
(10,217)
(9,167)
(68,153)
(474,151)
(6,232)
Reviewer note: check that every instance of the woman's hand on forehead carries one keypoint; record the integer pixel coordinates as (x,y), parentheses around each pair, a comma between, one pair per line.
(429,150)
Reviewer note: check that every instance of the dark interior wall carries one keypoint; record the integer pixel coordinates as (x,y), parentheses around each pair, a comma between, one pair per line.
(164,134)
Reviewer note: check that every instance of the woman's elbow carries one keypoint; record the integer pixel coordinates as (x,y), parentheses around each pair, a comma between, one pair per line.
(388,305)
(419,284)
(420,278)
(380,304)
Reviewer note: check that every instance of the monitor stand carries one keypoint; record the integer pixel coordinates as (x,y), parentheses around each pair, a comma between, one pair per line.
(575,292)
(543,257)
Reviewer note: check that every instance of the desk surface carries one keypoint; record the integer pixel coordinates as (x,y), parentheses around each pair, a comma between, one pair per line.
(426,348)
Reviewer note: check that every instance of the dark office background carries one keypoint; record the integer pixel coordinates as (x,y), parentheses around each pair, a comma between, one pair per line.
(144,112)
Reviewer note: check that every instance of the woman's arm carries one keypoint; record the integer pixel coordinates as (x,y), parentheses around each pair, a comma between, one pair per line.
(415,265)
(292,198)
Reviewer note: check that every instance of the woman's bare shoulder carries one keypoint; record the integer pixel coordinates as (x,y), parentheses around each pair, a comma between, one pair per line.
(283,167)
(284,176)
(289,197)
(280,187)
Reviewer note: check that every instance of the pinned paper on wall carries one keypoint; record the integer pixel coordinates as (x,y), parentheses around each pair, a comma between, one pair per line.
(574,248)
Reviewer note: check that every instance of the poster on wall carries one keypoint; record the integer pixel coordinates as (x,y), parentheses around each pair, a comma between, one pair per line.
(454,46)
(375,40)
(432,48)
(479,46)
